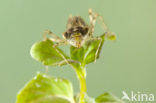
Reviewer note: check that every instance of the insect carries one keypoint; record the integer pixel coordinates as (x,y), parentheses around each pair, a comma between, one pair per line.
(78,32)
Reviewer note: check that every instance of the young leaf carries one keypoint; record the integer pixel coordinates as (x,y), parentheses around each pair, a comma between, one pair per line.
(107,98)
(77,53)
(91,49)
(87,53)
(45,89)
(44,52)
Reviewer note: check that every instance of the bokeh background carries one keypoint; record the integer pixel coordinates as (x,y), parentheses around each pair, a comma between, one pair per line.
(127,64)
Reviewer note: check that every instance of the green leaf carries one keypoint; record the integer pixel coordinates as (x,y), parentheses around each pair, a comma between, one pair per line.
(44,52)
(77,53)
(45,89)
(87,53)
(107,98)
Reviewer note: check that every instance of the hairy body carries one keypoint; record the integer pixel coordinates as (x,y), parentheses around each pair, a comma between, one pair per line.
(78,32)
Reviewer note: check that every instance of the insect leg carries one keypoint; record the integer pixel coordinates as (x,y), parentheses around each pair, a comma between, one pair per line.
(55,37)
(92,17)
(101,20)
(104,26)
(97,51)
(59,44)
(90,14)
(68,61)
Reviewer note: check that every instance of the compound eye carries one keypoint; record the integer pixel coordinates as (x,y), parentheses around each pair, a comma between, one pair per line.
(66,35)
(84,31)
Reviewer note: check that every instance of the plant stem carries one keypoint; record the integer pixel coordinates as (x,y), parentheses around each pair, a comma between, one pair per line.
(81,74)
(83,89)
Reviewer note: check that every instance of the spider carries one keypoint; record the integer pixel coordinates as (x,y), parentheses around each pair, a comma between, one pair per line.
(78,32)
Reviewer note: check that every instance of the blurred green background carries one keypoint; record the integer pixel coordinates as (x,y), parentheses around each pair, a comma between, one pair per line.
(127,64)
